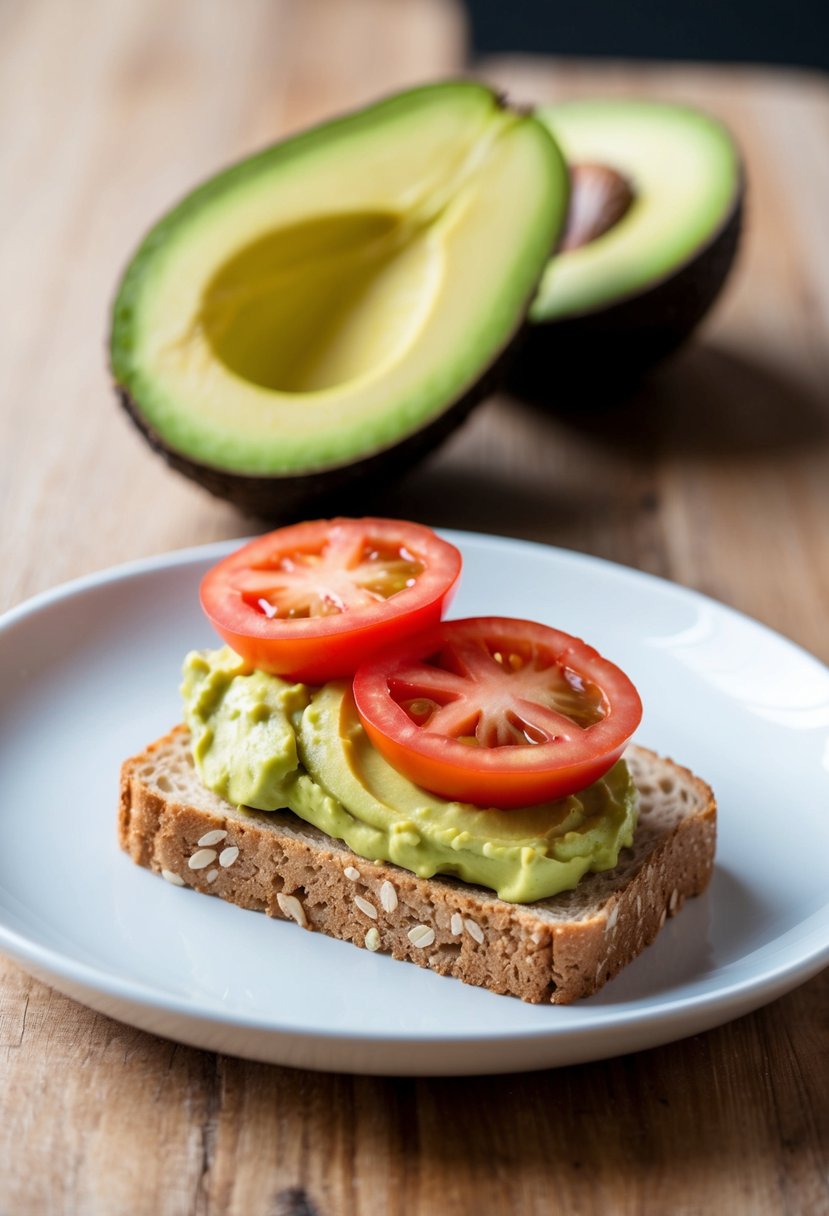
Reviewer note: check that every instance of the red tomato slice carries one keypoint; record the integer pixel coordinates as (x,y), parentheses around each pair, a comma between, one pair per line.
(314,600)
(497,712)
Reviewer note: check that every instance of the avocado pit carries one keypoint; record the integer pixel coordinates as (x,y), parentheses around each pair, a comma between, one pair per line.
(599,198)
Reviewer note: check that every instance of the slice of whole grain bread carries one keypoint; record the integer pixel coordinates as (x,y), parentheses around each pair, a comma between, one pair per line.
(556,950)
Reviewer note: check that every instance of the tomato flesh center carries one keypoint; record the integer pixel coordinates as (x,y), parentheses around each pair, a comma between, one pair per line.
(337,576)
(490,698)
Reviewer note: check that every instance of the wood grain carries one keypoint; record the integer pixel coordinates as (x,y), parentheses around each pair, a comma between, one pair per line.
(97,143)
(715,474)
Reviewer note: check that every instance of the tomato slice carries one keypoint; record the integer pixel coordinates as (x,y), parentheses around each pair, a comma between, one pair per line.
(497,712)
(313,600)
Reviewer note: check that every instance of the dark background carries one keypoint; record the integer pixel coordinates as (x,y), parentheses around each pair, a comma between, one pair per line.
(765,31)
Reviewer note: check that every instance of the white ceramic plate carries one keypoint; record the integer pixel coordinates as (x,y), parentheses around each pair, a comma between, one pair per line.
(89,675)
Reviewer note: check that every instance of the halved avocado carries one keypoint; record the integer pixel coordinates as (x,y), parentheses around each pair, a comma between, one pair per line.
(653,229)
(328,309)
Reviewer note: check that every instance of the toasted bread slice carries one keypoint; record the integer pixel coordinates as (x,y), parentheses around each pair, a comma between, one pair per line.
(556,950)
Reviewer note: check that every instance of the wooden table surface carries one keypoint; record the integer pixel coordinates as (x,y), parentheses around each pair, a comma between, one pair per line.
(715,475)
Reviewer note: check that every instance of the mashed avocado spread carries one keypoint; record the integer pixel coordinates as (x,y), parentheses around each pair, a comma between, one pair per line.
(262,742)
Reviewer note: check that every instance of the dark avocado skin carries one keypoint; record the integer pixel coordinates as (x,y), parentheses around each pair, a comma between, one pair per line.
(284,499)
(601,355)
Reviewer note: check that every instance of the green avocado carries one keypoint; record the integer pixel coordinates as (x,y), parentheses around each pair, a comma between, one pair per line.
(331,306)
(242,725)
(264,743)
(652,232)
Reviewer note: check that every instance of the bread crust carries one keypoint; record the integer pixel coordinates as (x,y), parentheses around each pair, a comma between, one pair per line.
(556,950)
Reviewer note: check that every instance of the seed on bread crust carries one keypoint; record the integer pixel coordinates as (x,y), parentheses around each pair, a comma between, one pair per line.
(474,930)
(367,908)
(372,939)
(201,859)
(211,838)
(421,936)
(171,877)
(293,909)
(388,896)
(228,856)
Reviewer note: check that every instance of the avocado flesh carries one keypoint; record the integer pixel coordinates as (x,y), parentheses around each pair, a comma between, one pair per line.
(686,179)
(327,300)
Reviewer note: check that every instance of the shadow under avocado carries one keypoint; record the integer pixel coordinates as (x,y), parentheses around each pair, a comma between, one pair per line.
(581,472)
(443,495)
(704,401)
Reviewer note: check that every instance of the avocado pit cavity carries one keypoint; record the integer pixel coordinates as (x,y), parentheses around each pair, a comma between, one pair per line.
(314,305)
